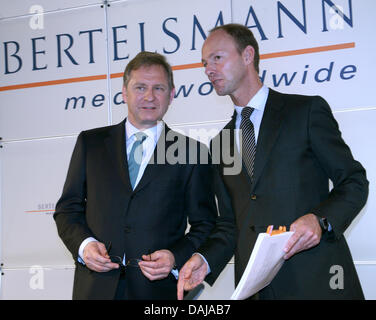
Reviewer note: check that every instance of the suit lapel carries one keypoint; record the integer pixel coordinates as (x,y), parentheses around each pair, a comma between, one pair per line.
(224,149)
(269,131)
(155,165)
(231,127)
(115,145)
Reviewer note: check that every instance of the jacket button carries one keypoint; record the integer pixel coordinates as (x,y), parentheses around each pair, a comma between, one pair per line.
(127,229)
(253,197)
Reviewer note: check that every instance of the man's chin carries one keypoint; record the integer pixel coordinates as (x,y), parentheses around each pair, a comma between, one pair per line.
(220,92)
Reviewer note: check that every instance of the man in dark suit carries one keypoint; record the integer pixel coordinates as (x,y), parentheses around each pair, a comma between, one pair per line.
(129,190)
(291,147)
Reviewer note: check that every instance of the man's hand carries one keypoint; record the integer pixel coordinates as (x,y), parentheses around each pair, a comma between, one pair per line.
(96,257)
(157,265)
(191,275)
(307,234)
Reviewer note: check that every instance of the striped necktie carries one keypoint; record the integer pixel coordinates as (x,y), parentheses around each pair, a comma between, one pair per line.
(135,157)
(248,140)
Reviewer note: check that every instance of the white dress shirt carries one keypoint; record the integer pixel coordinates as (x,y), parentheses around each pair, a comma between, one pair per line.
(257,102)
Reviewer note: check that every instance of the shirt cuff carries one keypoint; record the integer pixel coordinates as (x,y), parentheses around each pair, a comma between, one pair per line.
(82,247)
(207,264)
(175,273)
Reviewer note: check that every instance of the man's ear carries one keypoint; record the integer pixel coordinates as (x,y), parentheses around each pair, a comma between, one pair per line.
(172,95)
(248,54)
(124,93)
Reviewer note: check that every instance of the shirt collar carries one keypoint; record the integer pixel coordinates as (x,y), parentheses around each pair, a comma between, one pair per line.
(258,101)
(153,132)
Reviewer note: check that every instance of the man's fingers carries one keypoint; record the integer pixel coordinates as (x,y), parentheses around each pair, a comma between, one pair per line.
(146,257)
(154,267)
(156,255)
(101,267)
(101,264)
(191,275)
(293,249)
(154,274)
(152,264)
(292,241)
(307,234)
(96,258)
(184,284)
(300,241)
(155,270)
(186,276)
(96,251)
(102,250)
(157,265)
(183,275)
(180,289)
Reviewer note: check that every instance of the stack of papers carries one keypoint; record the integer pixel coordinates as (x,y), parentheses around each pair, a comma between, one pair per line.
(263,265)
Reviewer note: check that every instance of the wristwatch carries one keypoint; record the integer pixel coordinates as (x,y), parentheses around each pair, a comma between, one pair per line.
(323,224)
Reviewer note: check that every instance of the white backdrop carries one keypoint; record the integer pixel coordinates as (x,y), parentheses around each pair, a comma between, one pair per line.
(60,73)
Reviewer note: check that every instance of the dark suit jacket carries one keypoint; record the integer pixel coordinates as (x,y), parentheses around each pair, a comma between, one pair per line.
(98,201)
(299,149)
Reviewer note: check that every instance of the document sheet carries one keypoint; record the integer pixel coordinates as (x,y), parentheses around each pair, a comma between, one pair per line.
(263,265)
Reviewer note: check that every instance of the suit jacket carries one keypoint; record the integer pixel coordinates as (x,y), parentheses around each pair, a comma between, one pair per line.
(98,201)
(299,149)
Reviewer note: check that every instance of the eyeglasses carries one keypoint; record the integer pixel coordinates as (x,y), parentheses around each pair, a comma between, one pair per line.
(120,261)
(129,263)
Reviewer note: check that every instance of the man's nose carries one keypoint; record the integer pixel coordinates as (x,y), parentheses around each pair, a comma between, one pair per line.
(209,69)
(149,94)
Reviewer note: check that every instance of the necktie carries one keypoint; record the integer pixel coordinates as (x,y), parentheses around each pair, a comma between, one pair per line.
(135,157)
(248,140)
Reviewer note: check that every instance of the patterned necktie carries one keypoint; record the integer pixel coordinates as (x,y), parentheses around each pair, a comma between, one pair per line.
(248,140)
(135,157)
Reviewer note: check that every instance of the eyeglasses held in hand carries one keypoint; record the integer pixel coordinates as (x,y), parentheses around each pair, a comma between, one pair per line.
(120,261)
